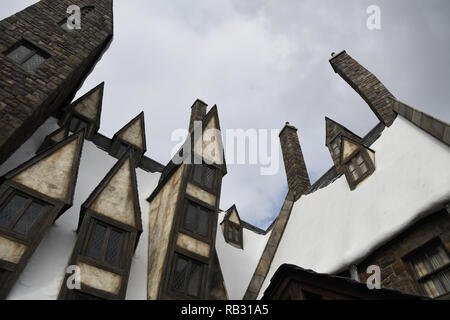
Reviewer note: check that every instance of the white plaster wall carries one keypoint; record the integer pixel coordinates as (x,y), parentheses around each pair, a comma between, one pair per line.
(41,278)
(334,226)
(238,265)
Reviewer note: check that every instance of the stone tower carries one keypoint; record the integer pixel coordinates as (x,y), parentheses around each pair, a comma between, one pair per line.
(44,63)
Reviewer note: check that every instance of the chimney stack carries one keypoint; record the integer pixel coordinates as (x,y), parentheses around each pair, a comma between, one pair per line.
(198,111)
(294,164)
(366,85)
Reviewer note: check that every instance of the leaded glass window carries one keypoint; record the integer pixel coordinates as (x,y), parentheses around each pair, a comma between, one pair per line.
(204,175)
(19,213)
(187,276)
(27,55)
(196,219)
(432,269)
(105,243)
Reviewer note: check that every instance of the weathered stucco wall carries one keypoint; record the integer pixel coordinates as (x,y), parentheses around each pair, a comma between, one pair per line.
(99,278)
(88,107)
(200,194)
(199,247)
(134,134)
(116,200)
(210,143)
(51,176)
(162,211)
(11,251)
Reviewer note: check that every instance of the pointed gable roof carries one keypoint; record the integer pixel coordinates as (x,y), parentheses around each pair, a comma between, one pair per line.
(54,171)
(232,215)
(211,117)
(90,105)
(333,129)
(134,132)
(116,197)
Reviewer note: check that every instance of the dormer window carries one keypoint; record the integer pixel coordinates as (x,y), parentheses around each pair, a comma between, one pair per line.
(357,167)
(358,161)
(233,233)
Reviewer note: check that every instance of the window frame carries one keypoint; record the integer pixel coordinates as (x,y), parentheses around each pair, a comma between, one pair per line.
(419,280)
(35,50)
(362,176)
(202,183)
(101,262)
(191,259)
(229,225)
(9,230)
(209,225)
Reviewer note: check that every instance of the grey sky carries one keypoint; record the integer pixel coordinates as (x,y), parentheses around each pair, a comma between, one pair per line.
(264,63)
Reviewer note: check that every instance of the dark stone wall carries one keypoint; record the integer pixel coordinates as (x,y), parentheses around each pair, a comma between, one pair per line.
(366,85)
(396,273)
(198,112)
(28,99)
(294,163)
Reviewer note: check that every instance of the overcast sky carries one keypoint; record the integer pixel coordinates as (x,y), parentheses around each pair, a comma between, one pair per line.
(264,63)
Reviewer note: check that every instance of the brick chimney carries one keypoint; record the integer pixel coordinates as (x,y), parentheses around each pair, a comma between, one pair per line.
(294,164)
(366,85)
(198,111)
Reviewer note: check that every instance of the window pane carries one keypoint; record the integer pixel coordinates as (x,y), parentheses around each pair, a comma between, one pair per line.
(359,159)
(30,215)
(355,175)
(179,274)
(202,227)
(236,234)
(209,177)
(33,63)
(8,212)
(430,289)
(19,54)
(444,277)
(195,279)
(420,268)
(197,174)
(114,245)
(230,232)
(364,168)
(351,167)
(95,243)
(189,218)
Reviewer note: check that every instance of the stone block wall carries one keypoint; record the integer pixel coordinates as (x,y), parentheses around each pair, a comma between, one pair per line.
(27,99)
